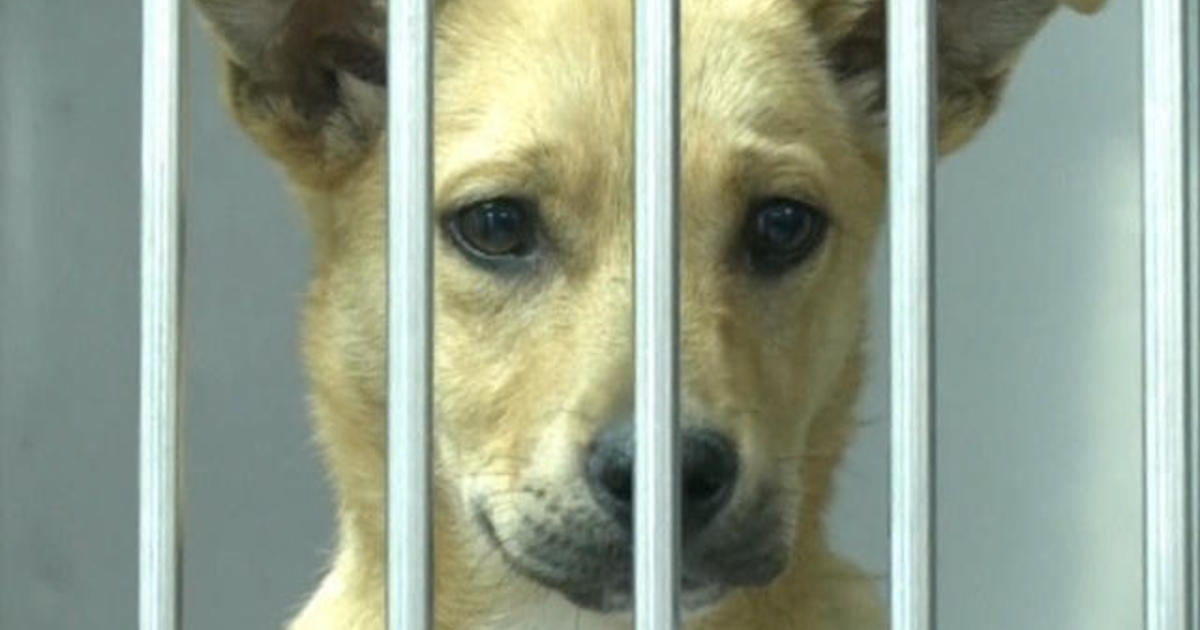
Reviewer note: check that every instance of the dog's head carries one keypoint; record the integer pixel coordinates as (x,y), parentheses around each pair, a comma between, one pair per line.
(782,178)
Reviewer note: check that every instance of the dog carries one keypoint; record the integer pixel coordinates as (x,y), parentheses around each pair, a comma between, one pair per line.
(783,111)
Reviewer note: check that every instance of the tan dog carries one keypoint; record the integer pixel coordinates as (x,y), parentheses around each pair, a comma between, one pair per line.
(783,171)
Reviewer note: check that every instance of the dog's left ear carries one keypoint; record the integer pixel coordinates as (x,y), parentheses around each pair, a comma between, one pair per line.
(978,43)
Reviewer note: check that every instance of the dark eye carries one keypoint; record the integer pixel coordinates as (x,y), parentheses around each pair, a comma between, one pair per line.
(495,229)
(781,233)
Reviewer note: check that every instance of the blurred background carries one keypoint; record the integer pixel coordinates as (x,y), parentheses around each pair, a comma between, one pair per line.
(1038,381)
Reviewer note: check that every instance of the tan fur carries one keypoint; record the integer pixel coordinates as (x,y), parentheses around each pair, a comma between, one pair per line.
(780,97)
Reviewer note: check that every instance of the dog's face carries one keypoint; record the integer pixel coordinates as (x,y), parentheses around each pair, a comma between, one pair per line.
(781,192)
(534,354)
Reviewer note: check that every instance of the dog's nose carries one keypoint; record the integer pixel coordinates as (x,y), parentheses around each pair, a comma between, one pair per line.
(709,473)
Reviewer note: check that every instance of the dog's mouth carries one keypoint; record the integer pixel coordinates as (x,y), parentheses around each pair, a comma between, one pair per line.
(590,564)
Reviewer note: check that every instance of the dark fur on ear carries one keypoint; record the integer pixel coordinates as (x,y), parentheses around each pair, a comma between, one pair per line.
(977,45)
(305,77)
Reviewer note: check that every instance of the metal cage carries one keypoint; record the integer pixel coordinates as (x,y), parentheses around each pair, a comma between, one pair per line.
(1171,274)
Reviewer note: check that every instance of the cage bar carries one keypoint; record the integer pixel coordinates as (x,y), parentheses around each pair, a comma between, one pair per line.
(159,557)
(1193,164)
(656,256)
(1164,302)
(911,134)
(410,328)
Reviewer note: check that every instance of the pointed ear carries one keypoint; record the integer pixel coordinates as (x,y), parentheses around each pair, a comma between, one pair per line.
(978,44)
(305,77)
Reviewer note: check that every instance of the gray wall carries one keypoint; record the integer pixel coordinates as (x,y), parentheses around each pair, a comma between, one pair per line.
(258,511)
(1038,375)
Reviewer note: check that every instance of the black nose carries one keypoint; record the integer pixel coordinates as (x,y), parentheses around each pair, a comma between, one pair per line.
(709,473)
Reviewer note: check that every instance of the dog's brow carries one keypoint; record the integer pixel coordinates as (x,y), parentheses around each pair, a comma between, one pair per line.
(769,168)
(508,171)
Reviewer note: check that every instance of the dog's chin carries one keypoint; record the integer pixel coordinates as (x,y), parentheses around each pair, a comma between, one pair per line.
(612,599)
(611,594)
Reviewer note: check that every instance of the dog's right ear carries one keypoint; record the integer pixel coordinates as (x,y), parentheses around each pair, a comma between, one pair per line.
(305,78)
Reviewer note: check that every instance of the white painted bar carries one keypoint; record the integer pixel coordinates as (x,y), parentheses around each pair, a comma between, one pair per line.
(159,544)
(912,131)
(656,484)
(1193,160)
(1164,342)
(410,327)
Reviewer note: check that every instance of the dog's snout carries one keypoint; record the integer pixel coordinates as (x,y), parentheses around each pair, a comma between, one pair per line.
(709,471)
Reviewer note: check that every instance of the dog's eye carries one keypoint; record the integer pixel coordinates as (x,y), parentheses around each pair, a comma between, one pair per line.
(495,229)
(782,233)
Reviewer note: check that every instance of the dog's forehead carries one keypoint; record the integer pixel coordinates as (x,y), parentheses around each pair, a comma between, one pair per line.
(521,70)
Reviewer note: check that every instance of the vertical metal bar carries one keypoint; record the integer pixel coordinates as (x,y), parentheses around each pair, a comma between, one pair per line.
(656,507)
(159,558)
(1193,218)
(410,327)
(912,131)
(1164,282)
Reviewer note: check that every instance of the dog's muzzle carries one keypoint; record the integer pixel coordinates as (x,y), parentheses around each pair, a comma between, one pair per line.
(584,551)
